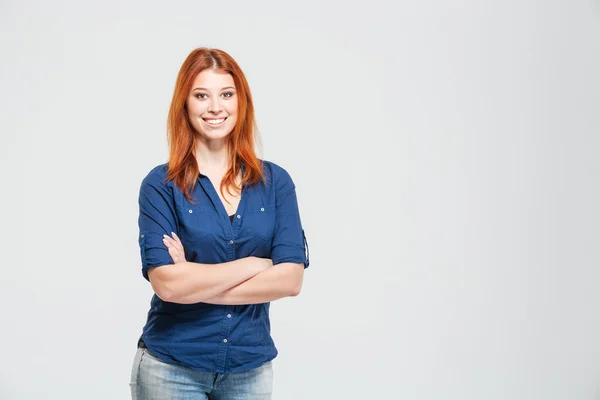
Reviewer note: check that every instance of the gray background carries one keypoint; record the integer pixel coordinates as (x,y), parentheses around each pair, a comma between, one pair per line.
(446,161)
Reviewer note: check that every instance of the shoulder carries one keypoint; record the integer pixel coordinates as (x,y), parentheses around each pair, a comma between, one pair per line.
(276,173)
(278,177)
(156,176)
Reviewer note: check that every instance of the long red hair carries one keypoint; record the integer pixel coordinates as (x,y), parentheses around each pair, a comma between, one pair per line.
(183,167)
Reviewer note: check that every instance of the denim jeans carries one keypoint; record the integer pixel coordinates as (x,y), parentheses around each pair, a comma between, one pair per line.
(153,379)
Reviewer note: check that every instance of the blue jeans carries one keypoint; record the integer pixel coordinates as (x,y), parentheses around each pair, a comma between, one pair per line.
(153,379)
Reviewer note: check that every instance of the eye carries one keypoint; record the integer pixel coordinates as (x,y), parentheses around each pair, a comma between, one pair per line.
(199,95)
(228,94)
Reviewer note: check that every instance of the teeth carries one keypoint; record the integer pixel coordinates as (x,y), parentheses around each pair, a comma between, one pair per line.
(215,121)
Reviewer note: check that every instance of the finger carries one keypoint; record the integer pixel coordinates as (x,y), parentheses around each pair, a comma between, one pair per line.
(170,240)
(176,238)
(174,253)
(177,243)
(176,256)
(175,246)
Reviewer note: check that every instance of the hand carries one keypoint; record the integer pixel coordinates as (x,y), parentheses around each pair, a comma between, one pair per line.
(175,248)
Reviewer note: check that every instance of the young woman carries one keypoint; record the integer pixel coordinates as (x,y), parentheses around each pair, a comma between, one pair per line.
(220,237)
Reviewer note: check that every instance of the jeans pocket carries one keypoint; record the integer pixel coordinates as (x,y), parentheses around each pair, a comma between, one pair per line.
(148,353)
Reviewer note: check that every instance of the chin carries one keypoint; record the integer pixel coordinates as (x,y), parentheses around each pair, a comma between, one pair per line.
(212,134)
(215,135)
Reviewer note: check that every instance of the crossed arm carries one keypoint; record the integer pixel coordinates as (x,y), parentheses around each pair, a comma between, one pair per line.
(249,280)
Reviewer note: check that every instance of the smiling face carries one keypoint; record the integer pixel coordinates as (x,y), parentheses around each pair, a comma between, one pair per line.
(212,104)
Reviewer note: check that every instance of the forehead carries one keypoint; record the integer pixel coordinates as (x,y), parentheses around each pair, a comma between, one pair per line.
(211,79)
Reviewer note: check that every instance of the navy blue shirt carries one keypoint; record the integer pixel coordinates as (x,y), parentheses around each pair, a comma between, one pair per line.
(208,337)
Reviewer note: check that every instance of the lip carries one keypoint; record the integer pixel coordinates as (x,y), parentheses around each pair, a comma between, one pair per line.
(212,125)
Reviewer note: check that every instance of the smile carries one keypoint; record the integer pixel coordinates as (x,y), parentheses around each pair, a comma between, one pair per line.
(214,122)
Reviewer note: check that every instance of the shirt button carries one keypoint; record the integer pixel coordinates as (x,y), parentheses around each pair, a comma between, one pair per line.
(142,236)
(231,242)
(228,315)
(239,216)
(224,340)
(262,209)
(190,211)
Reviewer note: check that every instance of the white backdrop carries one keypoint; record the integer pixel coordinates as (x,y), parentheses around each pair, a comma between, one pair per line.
(446,162)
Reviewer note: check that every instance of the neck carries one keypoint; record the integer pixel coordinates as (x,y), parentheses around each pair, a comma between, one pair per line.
(212,157)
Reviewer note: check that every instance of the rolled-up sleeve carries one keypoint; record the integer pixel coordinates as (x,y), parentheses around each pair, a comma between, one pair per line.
(289,239)
(157,217)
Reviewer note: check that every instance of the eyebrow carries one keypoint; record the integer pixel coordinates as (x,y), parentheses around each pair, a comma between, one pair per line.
(201,88)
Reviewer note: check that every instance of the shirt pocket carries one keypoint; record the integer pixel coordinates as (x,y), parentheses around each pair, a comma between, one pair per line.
(261,221)
(195,222)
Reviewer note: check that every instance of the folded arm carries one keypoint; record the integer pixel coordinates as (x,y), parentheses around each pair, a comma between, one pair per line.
(276,282)
(188,282)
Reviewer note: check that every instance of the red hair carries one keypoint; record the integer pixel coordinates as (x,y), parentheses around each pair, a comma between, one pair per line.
(183,166)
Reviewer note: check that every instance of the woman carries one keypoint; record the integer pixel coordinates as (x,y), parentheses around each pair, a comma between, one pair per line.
(220,237)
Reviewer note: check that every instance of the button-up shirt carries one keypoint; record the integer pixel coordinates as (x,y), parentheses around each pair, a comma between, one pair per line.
(209,337)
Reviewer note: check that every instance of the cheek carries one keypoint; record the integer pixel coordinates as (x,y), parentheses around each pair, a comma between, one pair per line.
(195,108)
(232,113)
(232,107)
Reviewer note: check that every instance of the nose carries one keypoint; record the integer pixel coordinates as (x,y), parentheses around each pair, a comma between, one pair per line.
(214,106)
